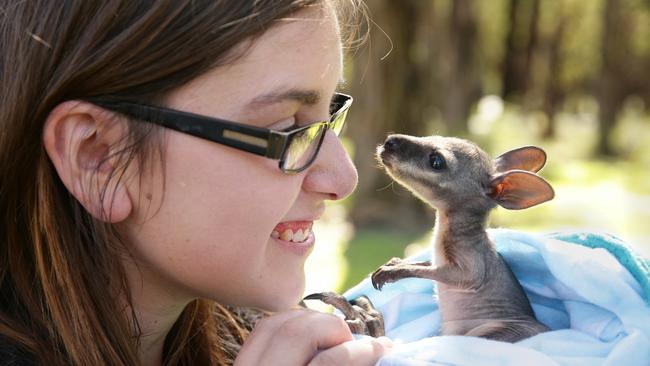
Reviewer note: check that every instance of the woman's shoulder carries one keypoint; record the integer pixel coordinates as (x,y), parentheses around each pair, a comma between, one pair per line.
(12,355)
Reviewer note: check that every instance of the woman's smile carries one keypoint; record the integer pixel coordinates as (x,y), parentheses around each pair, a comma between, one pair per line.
(296,236)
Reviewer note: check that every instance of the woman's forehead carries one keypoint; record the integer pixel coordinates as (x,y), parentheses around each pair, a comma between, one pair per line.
(302,52)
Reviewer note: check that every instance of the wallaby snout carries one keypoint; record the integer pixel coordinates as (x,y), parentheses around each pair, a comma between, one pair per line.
(392,146)
(397,148)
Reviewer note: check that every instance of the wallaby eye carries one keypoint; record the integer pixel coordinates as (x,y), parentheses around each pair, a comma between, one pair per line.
(437,161)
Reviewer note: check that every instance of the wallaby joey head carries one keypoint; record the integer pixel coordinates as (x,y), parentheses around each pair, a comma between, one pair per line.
(450,173)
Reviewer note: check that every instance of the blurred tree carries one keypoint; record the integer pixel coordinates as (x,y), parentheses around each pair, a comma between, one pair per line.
(521,41)
(554,92)
(393,79)
(611,87)
(430,61)
(459,66)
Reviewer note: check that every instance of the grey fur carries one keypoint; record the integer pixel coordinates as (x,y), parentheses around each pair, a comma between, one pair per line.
(478,294)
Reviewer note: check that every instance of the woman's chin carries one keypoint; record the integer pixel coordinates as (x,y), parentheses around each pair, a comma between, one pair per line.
(283,301)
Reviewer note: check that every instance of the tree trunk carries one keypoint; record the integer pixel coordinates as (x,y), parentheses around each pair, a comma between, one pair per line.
(393,94)
(531,46)
(460,67)
(554,92)
(611,88)
(520,42)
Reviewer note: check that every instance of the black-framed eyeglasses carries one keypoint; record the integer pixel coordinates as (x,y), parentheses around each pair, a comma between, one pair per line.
(295,149)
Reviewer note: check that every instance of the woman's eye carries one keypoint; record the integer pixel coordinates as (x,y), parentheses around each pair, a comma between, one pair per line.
(437,161)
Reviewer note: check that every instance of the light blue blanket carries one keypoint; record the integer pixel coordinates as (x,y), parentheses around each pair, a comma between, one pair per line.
(590,289)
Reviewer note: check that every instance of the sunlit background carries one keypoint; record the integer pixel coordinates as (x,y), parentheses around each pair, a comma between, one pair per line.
(570,76)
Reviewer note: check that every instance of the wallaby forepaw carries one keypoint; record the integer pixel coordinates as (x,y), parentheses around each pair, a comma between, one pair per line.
(381,276)
(360,315)
(393,261)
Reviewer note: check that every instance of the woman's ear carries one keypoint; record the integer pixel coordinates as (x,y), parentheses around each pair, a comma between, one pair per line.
(81,140)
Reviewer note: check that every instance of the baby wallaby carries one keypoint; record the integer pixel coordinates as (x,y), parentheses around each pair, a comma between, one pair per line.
(477,292)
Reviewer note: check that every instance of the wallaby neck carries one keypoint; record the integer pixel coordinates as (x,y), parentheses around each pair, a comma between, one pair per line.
(460,233)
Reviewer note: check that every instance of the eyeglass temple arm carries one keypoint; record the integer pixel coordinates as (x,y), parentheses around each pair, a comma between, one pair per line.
(252,139)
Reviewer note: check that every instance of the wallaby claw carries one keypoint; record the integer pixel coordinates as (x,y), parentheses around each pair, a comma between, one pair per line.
(380,277)
(360,315)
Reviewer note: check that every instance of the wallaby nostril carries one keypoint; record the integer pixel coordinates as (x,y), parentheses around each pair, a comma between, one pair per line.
(391,143)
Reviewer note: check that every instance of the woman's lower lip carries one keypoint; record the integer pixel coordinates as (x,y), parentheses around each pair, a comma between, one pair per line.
(302,248)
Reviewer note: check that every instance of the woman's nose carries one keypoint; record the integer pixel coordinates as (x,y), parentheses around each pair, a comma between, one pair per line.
(333,172)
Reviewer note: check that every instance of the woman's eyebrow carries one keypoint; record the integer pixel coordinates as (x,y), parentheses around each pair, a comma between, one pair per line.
(302,96)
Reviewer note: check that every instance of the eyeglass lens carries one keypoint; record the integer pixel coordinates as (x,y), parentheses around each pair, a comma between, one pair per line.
(304,145)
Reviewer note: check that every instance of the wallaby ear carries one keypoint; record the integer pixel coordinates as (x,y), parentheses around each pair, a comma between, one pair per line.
(529,158)
(518,189)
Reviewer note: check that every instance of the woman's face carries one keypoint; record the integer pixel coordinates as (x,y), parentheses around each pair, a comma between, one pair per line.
(213,233)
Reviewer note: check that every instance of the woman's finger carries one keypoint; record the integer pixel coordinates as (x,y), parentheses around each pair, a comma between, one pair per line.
(264,328)
(259,339)
(363,352)
(292,338)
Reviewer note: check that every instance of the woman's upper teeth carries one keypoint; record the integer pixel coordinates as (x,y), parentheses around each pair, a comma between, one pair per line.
(290,235)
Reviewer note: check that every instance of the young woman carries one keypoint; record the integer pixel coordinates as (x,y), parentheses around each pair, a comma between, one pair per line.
(161,165)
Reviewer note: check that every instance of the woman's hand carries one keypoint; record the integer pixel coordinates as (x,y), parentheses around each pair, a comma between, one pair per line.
(307,337)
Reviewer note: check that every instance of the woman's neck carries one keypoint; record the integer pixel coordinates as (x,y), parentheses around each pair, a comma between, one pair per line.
(156,308)
(154,328)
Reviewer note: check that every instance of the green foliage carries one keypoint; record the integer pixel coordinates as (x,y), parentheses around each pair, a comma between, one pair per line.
(369,249)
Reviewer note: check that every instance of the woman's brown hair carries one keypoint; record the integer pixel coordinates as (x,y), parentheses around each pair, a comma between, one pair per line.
(58,263)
